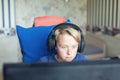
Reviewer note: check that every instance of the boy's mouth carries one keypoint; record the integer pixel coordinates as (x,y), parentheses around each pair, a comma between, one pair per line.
(68,57)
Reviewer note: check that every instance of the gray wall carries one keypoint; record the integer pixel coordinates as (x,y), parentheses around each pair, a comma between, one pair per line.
(26,10)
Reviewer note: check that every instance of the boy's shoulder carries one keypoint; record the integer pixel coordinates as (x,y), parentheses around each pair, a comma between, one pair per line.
(80,56)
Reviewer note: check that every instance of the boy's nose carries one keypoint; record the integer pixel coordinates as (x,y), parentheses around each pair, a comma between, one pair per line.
(69,51)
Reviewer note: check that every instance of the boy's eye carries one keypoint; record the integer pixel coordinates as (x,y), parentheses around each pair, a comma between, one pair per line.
(63,47)
(74,46)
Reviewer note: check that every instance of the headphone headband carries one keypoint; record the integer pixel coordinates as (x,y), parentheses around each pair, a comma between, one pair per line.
(67,25)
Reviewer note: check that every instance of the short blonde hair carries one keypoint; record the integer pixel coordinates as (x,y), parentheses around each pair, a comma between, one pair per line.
(70,31)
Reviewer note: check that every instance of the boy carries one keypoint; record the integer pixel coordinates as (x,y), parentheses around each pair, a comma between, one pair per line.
(68,41)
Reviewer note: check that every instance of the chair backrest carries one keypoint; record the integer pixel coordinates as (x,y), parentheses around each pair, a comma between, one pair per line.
(48,20)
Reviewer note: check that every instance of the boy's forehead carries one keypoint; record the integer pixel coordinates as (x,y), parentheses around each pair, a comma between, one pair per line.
(65,38)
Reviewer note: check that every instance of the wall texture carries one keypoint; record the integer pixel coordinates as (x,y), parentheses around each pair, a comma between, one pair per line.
(26,10)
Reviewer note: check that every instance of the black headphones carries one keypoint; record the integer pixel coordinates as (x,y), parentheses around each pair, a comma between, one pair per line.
(51,43)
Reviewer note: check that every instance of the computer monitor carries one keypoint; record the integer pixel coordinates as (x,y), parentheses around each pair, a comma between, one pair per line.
(84,70)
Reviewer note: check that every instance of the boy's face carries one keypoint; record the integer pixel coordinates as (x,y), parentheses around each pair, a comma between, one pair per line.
(66,47)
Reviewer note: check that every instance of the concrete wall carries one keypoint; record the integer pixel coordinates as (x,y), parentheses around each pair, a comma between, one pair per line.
(26,10)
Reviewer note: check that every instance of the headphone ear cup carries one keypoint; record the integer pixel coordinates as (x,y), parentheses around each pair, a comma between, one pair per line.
(51,42)
(81,44)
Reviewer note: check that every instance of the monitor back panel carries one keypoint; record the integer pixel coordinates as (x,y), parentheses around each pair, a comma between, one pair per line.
(86,70)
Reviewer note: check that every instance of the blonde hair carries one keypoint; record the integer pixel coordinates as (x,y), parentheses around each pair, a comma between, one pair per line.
(70,31)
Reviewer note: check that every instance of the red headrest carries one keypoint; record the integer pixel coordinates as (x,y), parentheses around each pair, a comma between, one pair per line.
(48,20)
